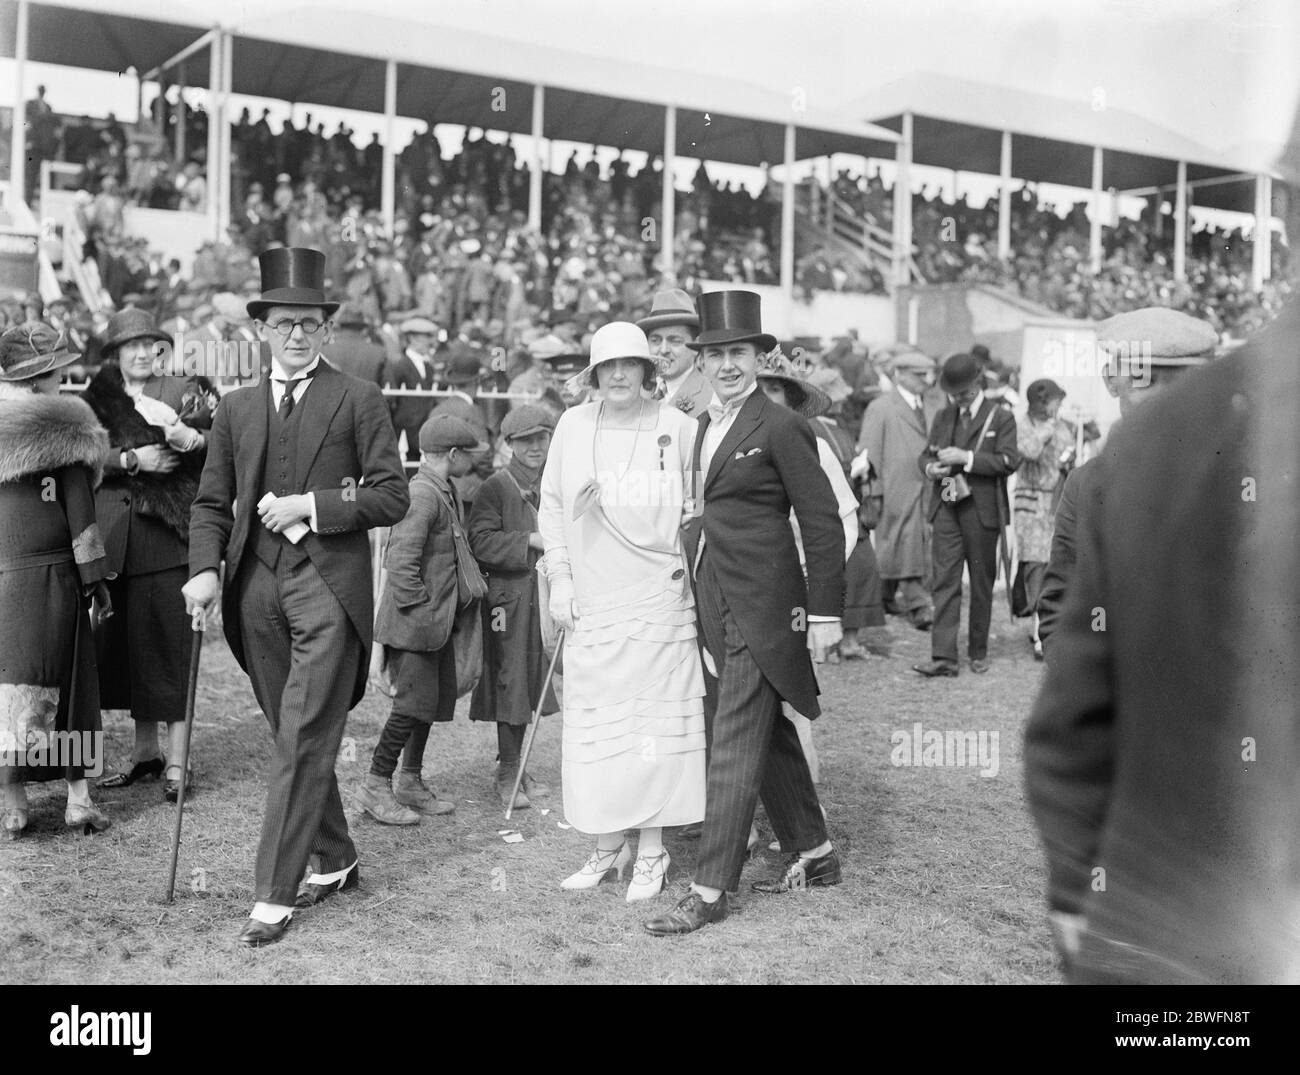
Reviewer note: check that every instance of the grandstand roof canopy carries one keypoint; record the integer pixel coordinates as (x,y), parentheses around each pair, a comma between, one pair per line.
(337,59)
(334,56)
(958,124)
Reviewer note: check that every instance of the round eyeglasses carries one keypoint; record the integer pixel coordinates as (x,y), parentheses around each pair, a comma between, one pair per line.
(285,325)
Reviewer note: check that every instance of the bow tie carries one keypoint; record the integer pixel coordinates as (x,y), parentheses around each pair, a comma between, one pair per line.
(719,411)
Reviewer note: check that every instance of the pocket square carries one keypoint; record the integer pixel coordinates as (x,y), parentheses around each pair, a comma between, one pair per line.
(752,451)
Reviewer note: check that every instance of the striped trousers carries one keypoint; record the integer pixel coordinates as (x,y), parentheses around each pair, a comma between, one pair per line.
(302,658)
(754,752)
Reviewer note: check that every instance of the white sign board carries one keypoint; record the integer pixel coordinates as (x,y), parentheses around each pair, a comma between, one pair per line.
(1066,352)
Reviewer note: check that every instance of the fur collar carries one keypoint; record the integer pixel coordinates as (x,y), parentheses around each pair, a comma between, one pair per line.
(44,433)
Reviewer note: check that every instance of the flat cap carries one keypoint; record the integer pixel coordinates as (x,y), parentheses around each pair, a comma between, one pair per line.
(526,420)
(1157,334)
(444,431)
(418,324)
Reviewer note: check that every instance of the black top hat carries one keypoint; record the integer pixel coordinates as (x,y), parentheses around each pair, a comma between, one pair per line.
(291,276)
(731,317)
(959,372)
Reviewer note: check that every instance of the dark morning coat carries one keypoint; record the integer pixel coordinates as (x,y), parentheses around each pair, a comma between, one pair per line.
(1164,750)
(749,542)
(347,457)
(417,609)
(514,663)
(996,456)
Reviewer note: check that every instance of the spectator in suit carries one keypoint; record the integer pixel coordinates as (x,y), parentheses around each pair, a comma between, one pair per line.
(413,369)
(758,460)
(296,600)
(971,450)
(353,350)
(893,434)
(1171,850)
(670,326)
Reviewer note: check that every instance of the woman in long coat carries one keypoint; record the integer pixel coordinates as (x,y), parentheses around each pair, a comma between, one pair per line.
(156,426)
(613,493)
(506,542)
(51,563)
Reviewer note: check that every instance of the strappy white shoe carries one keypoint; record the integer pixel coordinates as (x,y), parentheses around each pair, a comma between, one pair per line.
(599,865)
(648,875)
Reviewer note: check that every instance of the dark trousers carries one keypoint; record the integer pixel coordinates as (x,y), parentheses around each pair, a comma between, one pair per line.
(302,658)
(904,596)
(863,606)
(754,753)
(959,539)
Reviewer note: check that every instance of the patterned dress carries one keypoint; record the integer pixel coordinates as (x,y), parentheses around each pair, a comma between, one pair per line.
(1041,443)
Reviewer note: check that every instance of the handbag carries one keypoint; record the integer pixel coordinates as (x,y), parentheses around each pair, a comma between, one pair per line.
(467,643)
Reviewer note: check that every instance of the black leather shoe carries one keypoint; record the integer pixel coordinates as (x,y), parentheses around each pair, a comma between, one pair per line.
(314,894)
(979,664)
(935,668)
(141,769)
(690,914)
(255,933)
(803,872)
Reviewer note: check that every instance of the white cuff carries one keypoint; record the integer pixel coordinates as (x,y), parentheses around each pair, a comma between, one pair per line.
(823,619)
(969,462)
(311,499)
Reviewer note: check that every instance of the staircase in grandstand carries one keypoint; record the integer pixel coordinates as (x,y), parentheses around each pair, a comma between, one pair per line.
(824,219)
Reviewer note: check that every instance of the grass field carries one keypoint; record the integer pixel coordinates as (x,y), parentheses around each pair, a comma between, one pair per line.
(943,879)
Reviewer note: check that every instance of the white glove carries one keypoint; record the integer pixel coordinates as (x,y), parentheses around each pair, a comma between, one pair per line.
(562,606)
(182,437)
(822,635)
(858,466)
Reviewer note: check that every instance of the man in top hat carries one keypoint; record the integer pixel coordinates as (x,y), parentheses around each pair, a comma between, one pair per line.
(894,432)
(670,326)
(413,369)
(352,349)
(970,452)
(298,469)
(754,461)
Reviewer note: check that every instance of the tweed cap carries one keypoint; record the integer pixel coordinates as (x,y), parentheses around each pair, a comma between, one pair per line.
(526,420)
(444,431)
(1159,335)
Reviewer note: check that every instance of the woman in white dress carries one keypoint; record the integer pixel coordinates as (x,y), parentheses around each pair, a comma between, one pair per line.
(612,496)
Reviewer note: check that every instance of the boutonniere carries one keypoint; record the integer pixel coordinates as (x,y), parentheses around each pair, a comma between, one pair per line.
(685,404)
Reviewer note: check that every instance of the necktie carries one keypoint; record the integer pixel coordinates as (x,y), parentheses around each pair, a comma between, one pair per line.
(287,401)
(963,427)
(719,411)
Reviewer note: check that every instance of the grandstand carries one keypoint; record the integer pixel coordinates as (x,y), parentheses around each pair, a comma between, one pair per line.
(827,255)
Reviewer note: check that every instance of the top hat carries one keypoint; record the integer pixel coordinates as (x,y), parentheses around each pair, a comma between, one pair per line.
(731,317)
(959,372)
(671,307)
(291,276)
(32,350)
(130,323)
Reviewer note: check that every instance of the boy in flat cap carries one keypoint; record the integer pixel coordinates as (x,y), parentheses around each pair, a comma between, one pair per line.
(418,612)
(505,540)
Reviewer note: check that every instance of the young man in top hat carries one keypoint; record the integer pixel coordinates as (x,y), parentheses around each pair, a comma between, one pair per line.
(754,460)
(971,450)
(670,326)
(298,469)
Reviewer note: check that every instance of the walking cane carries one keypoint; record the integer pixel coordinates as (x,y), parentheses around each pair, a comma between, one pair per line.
(532,727)
(197,625)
